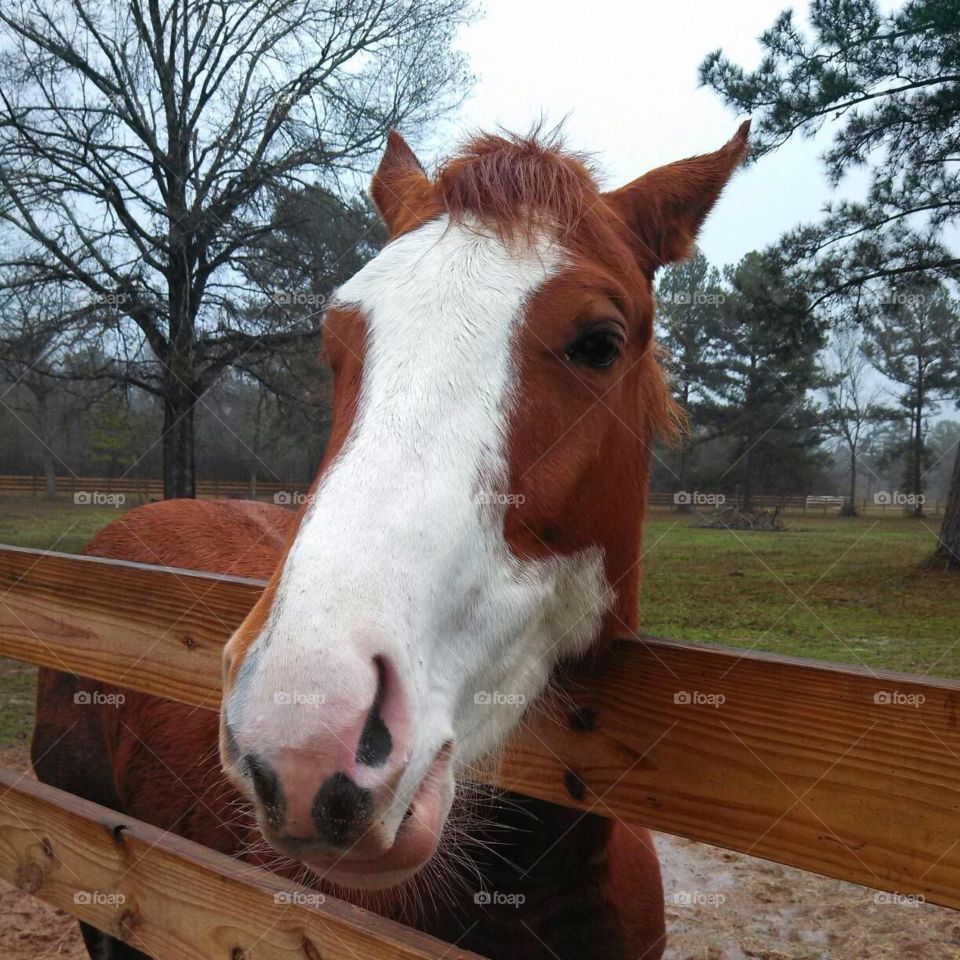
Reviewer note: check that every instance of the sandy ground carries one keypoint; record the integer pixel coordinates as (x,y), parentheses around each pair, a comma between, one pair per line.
(726,906)
(29,929)
(720,906)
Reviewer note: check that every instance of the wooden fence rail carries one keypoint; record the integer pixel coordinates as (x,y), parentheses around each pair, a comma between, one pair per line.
(100,489)
(847,772)
(881,505)
(177,900)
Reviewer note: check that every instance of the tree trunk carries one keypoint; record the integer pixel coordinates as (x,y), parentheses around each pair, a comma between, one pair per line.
(747,504)
(49,475)
(948,543)
(255,458)
(181,385)
(750,400)
(916,481)
(683,507)
(46,454)
(178,452)
(851,508)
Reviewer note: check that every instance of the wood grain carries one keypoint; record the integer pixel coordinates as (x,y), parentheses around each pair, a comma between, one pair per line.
(175,899)
(846,772)
(841,771)
(156,629)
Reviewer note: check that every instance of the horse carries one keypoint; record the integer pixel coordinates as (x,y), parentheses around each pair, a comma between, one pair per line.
(473,533)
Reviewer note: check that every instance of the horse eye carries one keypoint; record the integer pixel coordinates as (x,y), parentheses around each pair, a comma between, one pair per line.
(599,348)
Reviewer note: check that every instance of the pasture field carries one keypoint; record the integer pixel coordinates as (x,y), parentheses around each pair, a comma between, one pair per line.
(58,525)
(849,590)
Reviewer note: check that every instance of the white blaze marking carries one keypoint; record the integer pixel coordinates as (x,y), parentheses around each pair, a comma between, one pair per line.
(396,543)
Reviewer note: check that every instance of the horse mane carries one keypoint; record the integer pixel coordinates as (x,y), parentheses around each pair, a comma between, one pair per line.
(512,182)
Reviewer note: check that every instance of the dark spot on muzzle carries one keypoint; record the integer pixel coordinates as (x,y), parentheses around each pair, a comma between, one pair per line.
(266,787)
(341,810)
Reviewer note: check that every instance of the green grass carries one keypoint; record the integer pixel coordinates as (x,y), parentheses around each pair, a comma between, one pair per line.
(60,525)
(852,590)
(848,590)
(17,685)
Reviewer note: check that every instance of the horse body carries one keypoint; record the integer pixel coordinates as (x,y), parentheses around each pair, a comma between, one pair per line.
(474,528)
(592,885)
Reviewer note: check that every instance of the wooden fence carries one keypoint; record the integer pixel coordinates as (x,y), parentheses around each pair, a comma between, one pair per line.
(843,771)
(142,490)
(139,489)
(174,899)
(881,505)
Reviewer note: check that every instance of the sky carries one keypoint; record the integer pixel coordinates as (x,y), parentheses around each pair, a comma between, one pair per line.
(623,78)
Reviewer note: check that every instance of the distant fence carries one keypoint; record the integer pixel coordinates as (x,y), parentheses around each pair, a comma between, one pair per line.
(289,494)
(143,489)
(880,504)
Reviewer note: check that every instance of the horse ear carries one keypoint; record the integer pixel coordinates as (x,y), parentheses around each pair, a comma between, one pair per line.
(400,186)
(665,208)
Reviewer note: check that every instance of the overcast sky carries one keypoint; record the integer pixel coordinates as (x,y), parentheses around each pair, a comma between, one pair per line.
(624,75)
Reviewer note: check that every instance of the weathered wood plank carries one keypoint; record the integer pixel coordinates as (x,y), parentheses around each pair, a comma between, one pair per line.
(152,628)
(843,771)
(175,899)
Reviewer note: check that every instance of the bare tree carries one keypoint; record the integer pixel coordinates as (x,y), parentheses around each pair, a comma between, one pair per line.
(852,401)
(143,144)
(41,343)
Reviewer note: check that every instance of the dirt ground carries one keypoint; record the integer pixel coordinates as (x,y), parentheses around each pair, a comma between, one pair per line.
(29,929)
(726,906)
(720,906)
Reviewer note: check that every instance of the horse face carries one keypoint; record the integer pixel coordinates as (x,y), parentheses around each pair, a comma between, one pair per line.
(476,519)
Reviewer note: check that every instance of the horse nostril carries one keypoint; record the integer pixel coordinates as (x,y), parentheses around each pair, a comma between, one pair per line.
(266,786)
(341,810)
(375,743)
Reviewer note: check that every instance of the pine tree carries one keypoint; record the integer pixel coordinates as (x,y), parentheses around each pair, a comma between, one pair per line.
(890,82)
(914,341)
(690,298)
(767,354)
